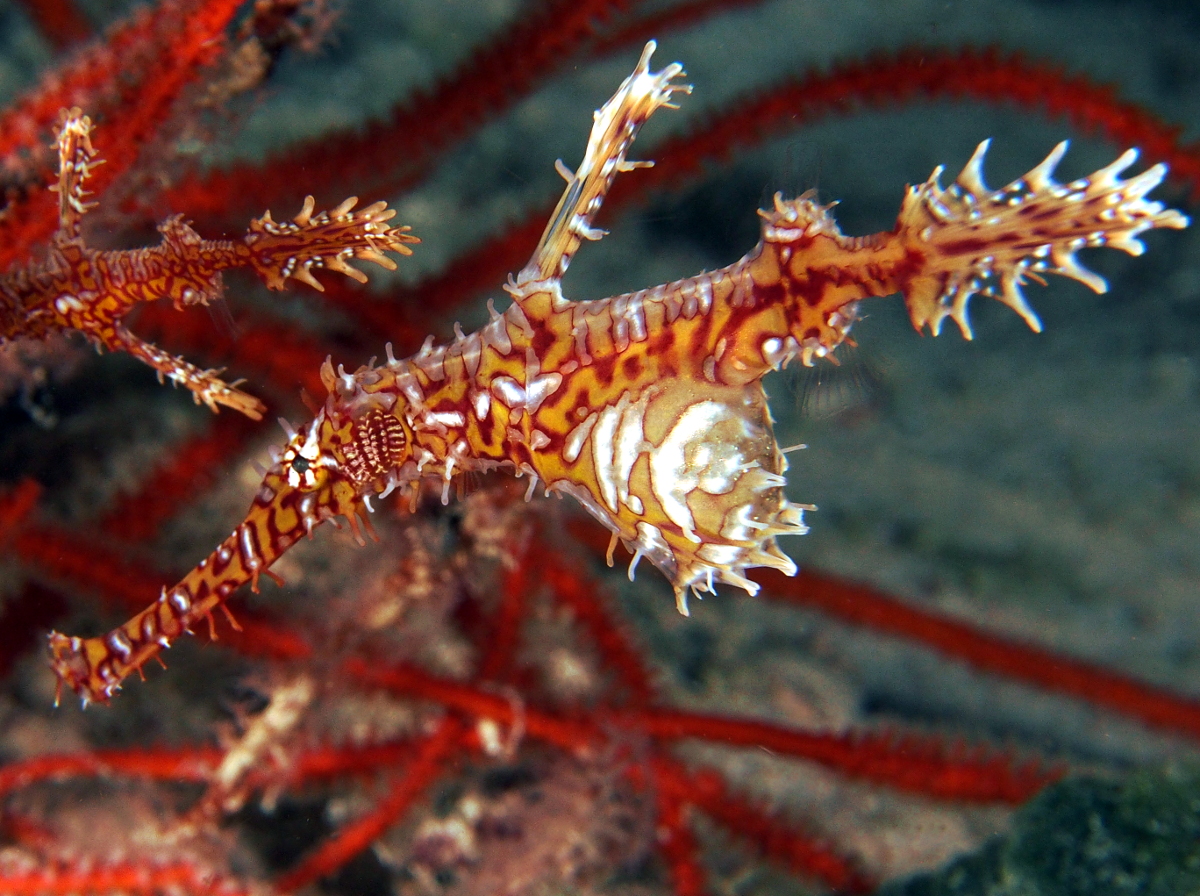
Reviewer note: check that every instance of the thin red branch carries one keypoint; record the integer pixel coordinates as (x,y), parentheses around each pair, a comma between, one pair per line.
(60,21)
(125,878)
(919,765)
(192,468)
(915,764)
(331,763)
(429,759)
(923,764)
(676,842)
(89,78)
(671,20)
(589,604)
(863,605)
(15,506)
(772,836)
(501,648)
(71,561)
(187,764)
(388,157)
(802,854)
(197,764)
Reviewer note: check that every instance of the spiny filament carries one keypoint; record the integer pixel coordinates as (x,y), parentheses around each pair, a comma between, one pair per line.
(88,290)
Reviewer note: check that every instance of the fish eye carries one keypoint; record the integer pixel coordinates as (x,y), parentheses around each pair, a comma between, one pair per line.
(300,464)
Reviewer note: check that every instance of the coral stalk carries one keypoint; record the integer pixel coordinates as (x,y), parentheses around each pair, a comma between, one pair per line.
(862,605)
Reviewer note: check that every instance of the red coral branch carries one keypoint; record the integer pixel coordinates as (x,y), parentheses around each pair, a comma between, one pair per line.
(906,762)
(128,879)
(391,156)
(590,606)
(429,759)
(193,467)
(197,764)
(15,507)
(862,605)
(805,855)
(60,21)
(94,78)
(677,844)
(673,19)
(188,764)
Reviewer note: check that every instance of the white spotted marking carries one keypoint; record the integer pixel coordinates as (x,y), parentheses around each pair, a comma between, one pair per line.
(540,388)
(604,449)
(247,547)
(178,598)
(67,303)
(483,403)
(517,397)
(446,418)
(576,439)
(631,440)
(509,391)
(119,644)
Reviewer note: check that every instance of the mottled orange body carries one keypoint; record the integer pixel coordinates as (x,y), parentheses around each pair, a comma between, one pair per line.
(90,291)
(648,407)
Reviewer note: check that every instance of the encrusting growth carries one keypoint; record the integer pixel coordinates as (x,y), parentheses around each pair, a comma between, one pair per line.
(80,288)
(647,407)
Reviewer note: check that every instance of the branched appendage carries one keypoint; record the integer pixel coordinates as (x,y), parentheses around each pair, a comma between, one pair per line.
(948,245)
(616,127)
(978,240)
(84,289)
(325,240)
(648,408)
